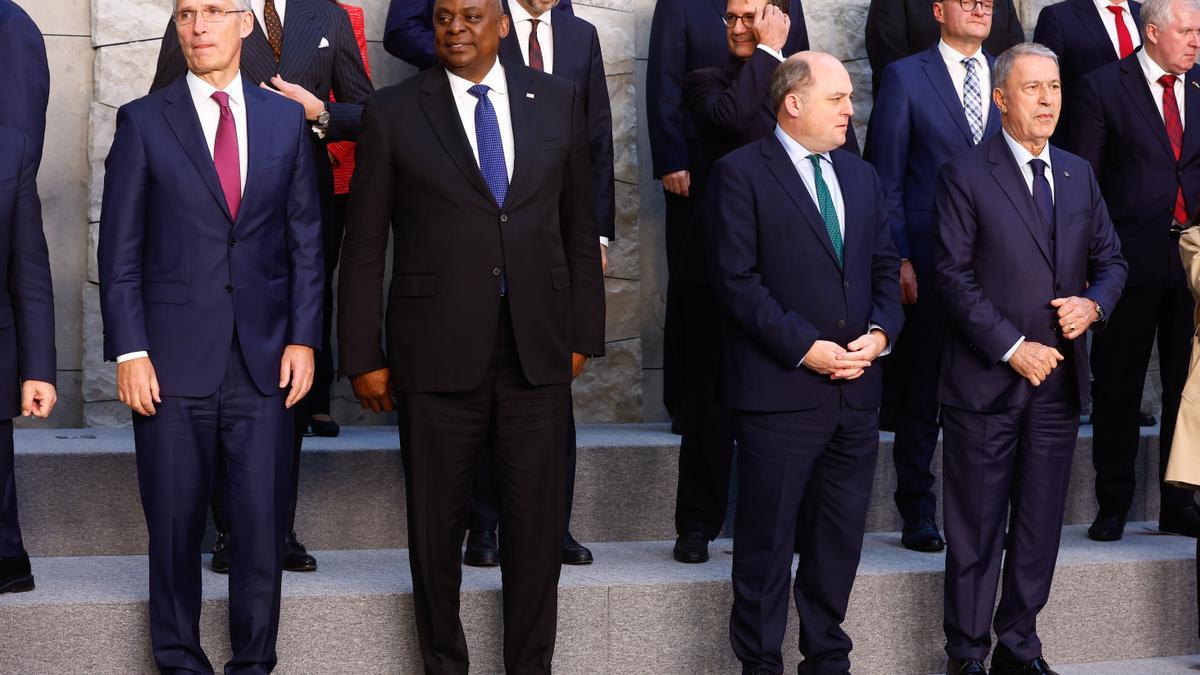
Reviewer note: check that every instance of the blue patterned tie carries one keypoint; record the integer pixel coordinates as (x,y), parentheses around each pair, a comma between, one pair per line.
(973,101)
(491,153)
(828,210)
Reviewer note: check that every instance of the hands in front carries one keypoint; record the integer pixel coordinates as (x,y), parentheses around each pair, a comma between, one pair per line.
(374,390)
(1034,361)
(771,27)
(137,385)
(677,182)
(849,363)
(1075,315)
(908,283)
(297,368)
(37,398)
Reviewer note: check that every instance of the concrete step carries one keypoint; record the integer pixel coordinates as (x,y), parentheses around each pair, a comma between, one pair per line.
(634,611)
(78,488)
(1167,665)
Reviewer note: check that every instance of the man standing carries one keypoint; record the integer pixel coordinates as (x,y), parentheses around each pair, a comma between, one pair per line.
(24,76)
(1138,123)
(408,33)
(930,107)
(802,262)
(1014,373)
(210,288)
(305,50)
(480,172)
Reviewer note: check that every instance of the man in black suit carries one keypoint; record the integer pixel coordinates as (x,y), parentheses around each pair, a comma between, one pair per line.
(561,44)
(304,49)
(900,28)
(24,75)
(1138,123)
(481,169)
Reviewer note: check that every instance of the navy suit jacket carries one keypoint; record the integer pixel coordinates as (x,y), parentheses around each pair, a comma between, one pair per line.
(998,269)
(577,58)
(408,32)
(773,270)
(26,296)
(917,124)
(24,75)
(688,35)
(178,276)
(1118,129)
(1075,31)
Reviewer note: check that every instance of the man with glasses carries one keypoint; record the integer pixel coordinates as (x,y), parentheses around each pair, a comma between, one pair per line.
(210,288)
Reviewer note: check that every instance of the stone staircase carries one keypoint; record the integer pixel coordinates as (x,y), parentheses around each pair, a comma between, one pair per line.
(1127,607)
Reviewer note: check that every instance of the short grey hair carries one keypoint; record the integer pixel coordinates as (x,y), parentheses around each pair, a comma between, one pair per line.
(240,5)
(792,76)
(1161,13)
(1004,64)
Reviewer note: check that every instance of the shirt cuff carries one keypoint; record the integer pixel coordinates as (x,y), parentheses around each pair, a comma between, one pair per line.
(1010,352)
(320,132)
(132,355)
(773,52)
(604,241)
(887,349)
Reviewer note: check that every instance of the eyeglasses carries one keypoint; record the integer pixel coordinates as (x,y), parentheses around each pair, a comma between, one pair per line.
(185,17)
(989,6)
(732,19)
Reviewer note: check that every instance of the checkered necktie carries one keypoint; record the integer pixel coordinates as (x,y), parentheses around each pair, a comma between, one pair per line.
(973,100)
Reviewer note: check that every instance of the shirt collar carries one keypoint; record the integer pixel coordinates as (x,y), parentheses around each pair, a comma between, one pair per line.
(1022,155)
(1150,67)
(1103,5)
(953,57)
(202,91)
(518,13)
(795,151)
(494,80)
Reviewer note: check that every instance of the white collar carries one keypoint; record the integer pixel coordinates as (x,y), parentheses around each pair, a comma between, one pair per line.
(519,14)
(795,149)
(1151,69)
(202,91)
(1022,155)
(1103,5)
(494,80)
(952,56)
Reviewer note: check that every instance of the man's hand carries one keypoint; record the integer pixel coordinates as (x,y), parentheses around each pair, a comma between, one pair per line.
(908,283)
(374,390)
(37,398)
(577,362)
(865,348)
(829,358)
(771,27)
(603,258)
(1075,315)
(297,367)
(677,183)
(313,106)
(137,385)
(1034,361)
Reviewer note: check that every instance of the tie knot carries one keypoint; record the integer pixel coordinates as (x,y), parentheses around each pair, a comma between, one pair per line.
(534,23)
(222,99)
(1168,81)
(816,163)
(1038,166)
(969,64)
(1115,9)
(479,90)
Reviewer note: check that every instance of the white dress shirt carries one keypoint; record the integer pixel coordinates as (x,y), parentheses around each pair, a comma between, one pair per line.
(522,23)
(465,102)
(1110,24)
(259,5)
(958,75)
(1153,71)
(209,112)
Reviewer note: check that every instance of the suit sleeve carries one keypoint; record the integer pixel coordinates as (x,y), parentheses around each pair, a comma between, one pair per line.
(578,231)
(1087,127)
(305,246)
(666,68)
(565,5)
(29,278)
(1049,32)
(968,306)
(171,64)
(732,250)
(888,152)
(886,311)
(1107,269)
(25,79)
(798,35)
(122,235)
(600,143)
(351,85)
(408,33)
(886,37)
(733,109)
(364,248)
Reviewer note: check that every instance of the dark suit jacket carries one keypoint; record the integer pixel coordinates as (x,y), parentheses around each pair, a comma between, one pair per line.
(177,275)
(900,28)
(917,124)
(408,33)
(774,271)
(997,270)
(577,57)
(24,75)
(1075,31)
(688,35)
(26,296)
(416,171)
(1118,129)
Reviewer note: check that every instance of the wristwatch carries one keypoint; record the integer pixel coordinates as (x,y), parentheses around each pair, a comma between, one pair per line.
(323,118)
(1099,312)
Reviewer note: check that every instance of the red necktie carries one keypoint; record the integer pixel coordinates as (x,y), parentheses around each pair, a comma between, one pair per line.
(1124,42)
(225,155)
(1175,133)
(535,48)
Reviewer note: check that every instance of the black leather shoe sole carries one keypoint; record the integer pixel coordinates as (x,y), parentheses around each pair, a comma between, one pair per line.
(324,429)
(482,557)
(1105,533)
(923,544)
(691,553)
(299,562)
(577,556)
(17,585)
(220,562)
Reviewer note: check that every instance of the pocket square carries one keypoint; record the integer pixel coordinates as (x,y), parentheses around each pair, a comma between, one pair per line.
(529,95)
(324,43)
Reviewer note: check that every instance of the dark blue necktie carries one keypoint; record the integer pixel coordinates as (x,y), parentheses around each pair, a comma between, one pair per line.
(491,153)
(1042,197)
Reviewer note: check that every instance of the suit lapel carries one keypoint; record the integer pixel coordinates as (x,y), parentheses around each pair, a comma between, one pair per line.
(524,113)
(185,123)
(939,78)
(1011,180)
(1134,81)
(437,102)
(1086,12)
(781,165)
(301,36)
(258,134)
(852,238)
(1064,190)
(993,123)
(1191,111)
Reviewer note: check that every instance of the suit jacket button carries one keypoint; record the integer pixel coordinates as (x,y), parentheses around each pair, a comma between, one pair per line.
(228,288)
(845,284)
(841,323)
(232,243)
(495,271)
(503,217)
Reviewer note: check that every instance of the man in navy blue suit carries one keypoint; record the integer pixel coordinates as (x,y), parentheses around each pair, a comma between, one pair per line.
(802,262)
(27,358)
(1014,370)
(1137,122)
(211,279)
(931,106)
(24,75)
(408,33)
(1110,32)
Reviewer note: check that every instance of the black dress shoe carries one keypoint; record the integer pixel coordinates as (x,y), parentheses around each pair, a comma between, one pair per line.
(965,667)
(922,535)
(691,547)
(1108,526)
(482,549)
(15,574)
(296,557)
(1185,521)
(1003,663)
(325,428)
(1146,420)
(574,553)
(220,554)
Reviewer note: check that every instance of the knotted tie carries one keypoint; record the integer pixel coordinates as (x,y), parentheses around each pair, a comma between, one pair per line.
(973,101)
(274,28)
(225,155)
(1175,134)
(1042,196)
(535,48)
(828,210)
(1124,41)
(491,153)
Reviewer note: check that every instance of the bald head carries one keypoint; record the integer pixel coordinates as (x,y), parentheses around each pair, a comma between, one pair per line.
(811,92)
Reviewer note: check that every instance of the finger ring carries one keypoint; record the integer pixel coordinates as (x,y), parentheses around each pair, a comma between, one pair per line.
(1071,328)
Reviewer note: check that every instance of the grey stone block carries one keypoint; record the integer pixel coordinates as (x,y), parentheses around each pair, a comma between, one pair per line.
(118,21)
(615,25)
(60,17)
(124,72)
(610,388)
(622,312)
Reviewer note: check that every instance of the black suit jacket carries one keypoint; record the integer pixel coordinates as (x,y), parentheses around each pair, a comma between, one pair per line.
(1075,31)
(24,75)
(577,58)
(900,28)
(415,171)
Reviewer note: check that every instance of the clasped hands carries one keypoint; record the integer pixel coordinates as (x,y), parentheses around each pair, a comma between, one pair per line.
(1035,361)
(845,363)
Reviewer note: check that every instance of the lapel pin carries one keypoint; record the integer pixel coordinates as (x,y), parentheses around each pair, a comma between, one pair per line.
(1196,84)
(1066,174)
(529,95)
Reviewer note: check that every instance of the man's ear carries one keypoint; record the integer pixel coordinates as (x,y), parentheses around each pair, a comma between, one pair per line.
(504,26)
(247,24)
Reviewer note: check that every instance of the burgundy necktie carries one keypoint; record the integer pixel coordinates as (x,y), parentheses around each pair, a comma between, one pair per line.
(225,155)
(535,48)
(1175,133)
(1124,42)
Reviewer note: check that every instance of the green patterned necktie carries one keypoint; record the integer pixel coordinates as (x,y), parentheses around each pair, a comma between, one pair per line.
(828,212)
